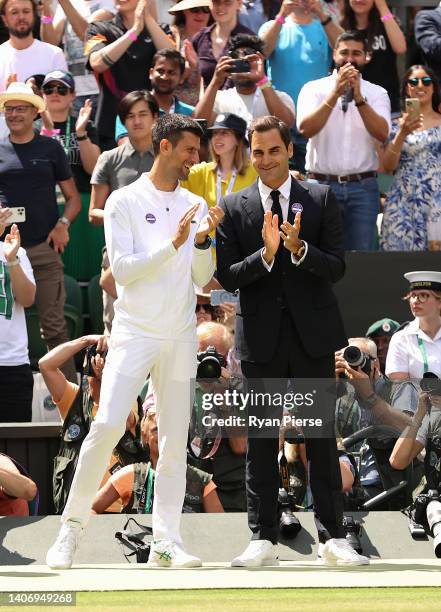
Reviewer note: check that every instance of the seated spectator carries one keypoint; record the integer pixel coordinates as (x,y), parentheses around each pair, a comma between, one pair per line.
(375,21)
(119,167)
(252,95)
(31,167)
(230,169)
(416,348)
(381,332)
(342,151)
(302,35)
(211,43)
(16,489)
(166,73)
(134,484)
(189,18)
(68,25)
(413,154)
(254,13)
(120,51)
(80,143)
(428,37)
(78,406)
(17,291)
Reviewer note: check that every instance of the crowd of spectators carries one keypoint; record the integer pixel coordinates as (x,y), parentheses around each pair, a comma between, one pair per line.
(81,84)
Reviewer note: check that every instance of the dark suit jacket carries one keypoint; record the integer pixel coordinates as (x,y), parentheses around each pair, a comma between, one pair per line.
(428,37)
(305,289)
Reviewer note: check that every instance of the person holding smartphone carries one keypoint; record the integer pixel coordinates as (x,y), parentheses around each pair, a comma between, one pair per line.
(17,291)
(413,154)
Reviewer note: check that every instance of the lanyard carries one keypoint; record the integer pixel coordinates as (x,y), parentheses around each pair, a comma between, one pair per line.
(230,184)
(66,145)
(423,354)
(149,494)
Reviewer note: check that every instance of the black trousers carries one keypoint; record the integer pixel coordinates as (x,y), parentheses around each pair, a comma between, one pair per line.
(262,480)
(16,390)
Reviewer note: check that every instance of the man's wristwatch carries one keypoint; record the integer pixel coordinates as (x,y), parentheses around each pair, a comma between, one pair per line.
(64,220)
(205,245)
(362,102)
(325,21)
(14,262)
(83,137)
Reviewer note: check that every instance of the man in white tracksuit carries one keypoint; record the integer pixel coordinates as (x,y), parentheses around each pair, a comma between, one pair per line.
(157,236)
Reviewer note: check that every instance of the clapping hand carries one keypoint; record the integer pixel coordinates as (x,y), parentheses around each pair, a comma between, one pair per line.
(12,243)
(270,235)
(83,118)
(209,223)
(290,234)
(183,232)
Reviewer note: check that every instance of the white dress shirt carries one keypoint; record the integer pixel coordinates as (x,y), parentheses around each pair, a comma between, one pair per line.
(343,146)
(404,353)
(267,203)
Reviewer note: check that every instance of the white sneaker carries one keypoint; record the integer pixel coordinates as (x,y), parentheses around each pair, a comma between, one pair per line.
(164,553)
(258,553)
(61,553)
(338,551)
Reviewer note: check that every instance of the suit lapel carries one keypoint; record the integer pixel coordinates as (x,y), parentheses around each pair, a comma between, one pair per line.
(297,194)
(252,204)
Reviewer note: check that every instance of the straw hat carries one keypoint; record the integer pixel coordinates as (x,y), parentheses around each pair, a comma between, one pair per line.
(24,93)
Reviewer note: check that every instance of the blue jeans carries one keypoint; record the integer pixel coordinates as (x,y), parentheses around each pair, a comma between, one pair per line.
(360,205)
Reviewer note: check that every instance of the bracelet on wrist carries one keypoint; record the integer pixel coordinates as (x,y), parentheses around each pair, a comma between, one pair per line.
(47,19)
(46,132)
(81,138)
(280,19)
(64,221)
(326,21)
(262,81)
(132,36)
(387,17)
(328,105)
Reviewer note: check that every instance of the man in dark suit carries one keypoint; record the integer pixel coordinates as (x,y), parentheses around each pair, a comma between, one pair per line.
(428,37)
(288,323)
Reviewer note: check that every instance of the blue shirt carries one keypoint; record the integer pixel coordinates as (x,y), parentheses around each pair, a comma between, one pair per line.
(302,54)
(180,108)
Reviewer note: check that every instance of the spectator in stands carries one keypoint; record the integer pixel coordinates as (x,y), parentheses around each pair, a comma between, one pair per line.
(381,332)
(230,169)
(204,310)
(69,26)
(78,406)
(428,37)
(342,147)
(190,17)
(302,35)
(17,291)
(16,489)
(31,166)
(255,13)
(252,95)
(80,143)
(212,42)
(166,73)
(119,167)
(414,156)
(120,51)
(134,483)
(376,22)
(416,348)
(228,464)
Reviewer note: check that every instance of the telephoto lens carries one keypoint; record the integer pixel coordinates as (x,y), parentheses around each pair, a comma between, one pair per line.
(434,520)
(289,524)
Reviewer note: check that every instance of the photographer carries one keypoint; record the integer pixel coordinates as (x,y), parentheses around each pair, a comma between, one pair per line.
(374,400)
(78,406)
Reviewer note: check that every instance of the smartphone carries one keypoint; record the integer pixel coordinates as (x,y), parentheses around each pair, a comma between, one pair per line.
(413,107)
(239,66)
(18,215)
(219,296)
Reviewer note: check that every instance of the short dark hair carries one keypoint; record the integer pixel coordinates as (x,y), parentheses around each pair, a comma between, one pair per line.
(247,41)
(267,123)
(3,4)
(125,106)
(436,97)
(172,55)
(170,127)
(355,35)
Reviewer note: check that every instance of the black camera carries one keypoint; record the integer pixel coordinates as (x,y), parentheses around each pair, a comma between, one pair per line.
(210,364)
(352,528)
(90,354)
(357,359)
(427,511)
(430,383)
(289,524)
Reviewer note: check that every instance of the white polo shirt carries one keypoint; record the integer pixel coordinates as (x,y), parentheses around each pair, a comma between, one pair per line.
(404,354)
(155,283)
(343,146)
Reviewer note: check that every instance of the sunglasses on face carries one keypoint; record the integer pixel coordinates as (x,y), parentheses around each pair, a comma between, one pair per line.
(204,307)
(200,9)
(63,90)
(426,81)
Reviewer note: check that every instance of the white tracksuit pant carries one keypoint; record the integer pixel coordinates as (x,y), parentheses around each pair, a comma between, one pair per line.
(172,365)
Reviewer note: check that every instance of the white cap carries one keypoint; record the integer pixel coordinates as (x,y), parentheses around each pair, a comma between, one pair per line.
(424,280)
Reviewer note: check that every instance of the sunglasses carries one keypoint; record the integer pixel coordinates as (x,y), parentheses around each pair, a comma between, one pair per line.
(63,90)
(205,307)
(200,9)
(426,81)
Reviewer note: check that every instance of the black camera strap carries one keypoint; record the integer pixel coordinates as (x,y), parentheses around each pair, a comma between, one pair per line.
(134,541)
